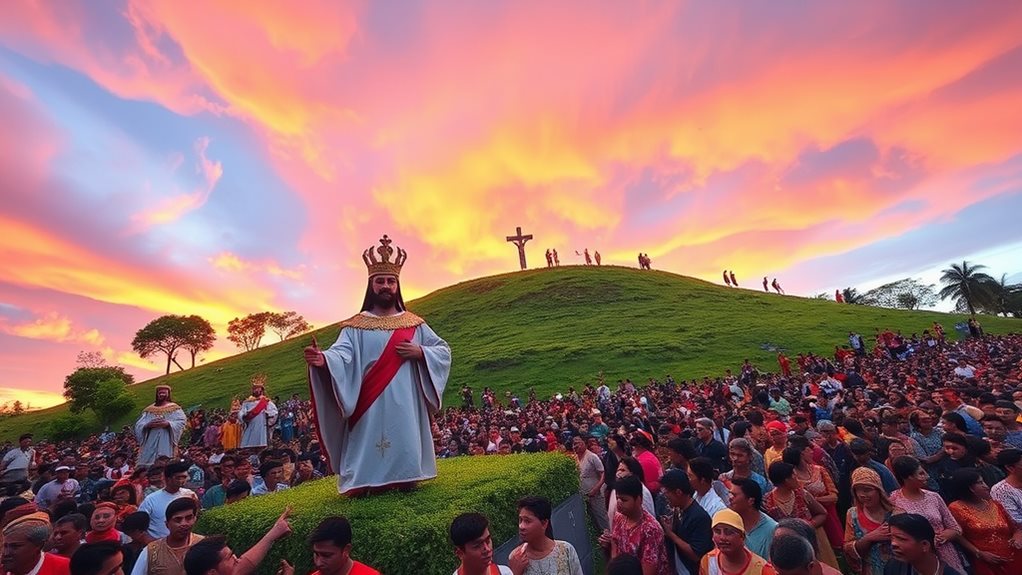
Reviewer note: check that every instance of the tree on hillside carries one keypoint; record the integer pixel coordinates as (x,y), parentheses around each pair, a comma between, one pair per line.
(1005,298)
(169,333)
(908,293)
(288,324)
(247,332)
(82,385)
(852,296)
(90,359)
(199,335)
(966,286)
(112,400)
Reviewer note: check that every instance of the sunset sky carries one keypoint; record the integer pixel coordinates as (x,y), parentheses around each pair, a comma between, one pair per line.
(228,157)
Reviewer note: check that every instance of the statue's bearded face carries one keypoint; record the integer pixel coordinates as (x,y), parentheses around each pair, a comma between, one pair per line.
(162,395)
(257,390)
(385,291)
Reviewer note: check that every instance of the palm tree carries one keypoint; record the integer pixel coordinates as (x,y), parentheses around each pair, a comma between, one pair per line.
(851,295)
(967,286)
(1005,297)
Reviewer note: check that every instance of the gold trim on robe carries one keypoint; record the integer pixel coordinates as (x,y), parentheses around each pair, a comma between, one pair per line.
(163,409)
(386,322)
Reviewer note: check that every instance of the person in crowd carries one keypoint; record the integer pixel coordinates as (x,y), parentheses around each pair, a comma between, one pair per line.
(777,431)
(540,553)
(636,531)
(470,534)
(703,476)
(789,499)
(740,452)
(819,483)
(642,451)
(155,504)
(799,528)
(272,474)
(216,495)
(591,482)
(100,558)
(687,527)
(24,540)
(624,564)
(732,554)
(867,534)
(989,536)
(331,549)
(913,497)
(165,556)
(305,470)
(212,556)
(913,548)
(627,467)
(236,491)
(1008,492)
(793,555)
(747,502)
(709,447)
(68,534)
(14,464)
(102,525)
(63,487)
(136,527)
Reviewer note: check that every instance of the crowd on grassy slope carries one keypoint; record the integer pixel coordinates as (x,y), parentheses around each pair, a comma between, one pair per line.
(899,454)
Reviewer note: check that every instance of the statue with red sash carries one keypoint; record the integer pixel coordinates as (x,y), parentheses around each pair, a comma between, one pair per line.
(259,415)
(375,389)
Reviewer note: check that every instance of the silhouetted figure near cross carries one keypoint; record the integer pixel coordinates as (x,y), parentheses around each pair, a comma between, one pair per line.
(519,240)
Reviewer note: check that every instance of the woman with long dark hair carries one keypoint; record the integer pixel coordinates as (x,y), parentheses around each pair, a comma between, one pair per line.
(540,553)
(989,535)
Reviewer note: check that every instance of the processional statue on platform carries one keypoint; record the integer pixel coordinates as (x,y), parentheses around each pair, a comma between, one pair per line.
(158,430)
(373,391)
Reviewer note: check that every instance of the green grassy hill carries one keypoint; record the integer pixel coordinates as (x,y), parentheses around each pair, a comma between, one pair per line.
(560,327)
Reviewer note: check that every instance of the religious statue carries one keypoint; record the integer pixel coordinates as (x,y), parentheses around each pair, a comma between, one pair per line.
(374,390)
(159,428)
(259,415)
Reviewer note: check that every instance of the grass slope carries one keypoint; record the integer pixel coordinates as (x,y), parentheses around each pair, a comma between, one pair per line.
(560,327)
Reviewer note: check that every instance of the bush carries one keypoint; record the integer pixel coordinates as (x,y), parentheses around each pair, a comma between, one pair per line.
(68,426)
(401,533)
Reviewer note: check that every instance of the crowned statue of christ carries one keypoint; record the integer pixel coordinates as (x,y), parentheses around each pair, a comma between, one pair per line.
(374,389)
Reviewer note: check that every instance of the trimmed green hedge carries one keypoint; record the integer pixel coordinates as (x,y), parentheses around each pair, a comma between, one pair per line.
(401,533)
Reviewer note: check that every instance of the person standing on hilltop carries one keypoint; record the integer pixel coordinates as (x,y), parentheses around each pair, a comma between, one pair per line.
(373,391)
(159,428)
(259,414)
(734,282)
(727,280)
(598,257)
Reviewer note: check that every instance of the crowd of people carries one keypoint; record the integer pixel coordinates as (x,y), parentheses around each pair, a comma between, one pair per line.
(897,456)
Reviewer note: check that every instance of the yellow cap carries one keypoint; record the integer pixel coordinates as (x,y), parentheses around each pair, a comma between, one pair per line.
(729,518)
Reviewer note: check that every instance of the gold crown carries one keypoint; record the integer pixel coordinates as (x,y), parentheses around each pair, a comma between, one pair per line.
(383,265)
(259,380)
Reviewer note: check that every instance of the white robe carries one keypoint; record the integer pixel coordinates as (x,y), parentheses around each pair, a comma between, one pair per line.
(392,442)
(159,440)
(256,432)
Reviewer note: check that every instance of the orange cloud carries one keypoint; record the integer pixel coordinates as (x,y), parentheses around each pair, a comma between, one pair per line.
(53,327)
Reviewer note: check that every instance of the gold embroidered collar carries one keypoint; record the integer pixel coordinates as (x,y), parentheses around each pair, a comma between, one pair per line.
(386,322)
(163,409)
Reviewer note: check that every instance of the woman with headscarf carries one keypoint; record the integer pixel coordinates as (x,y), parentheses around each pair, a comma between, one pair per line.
(778,435)
(867,537)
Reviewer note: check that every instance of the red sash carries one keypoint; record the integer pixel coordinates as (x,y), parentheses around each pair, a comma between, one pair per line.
(263,402)
(380,374)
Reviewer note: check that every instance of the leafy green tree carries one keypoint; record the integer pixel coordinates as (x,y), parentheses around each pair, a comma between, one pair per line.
(81,386)
(247,332)
(908,293)
(112,400)
(966,286)
(68,426)
(169,333)
(288,324)
(199,335)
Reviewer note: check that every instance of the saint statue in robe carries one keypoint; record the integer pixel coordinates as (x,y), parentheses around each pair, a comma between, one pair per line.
(375,389)
(258,415)
(159,428)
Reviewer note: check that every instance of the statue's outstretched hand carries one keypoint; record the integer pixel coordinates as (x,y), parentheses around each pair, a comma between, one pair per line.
(313,356)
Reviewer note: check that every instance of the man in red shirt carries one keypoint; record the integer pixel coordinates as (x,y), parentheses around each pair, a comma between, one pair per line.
(331,549)
(23,542)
